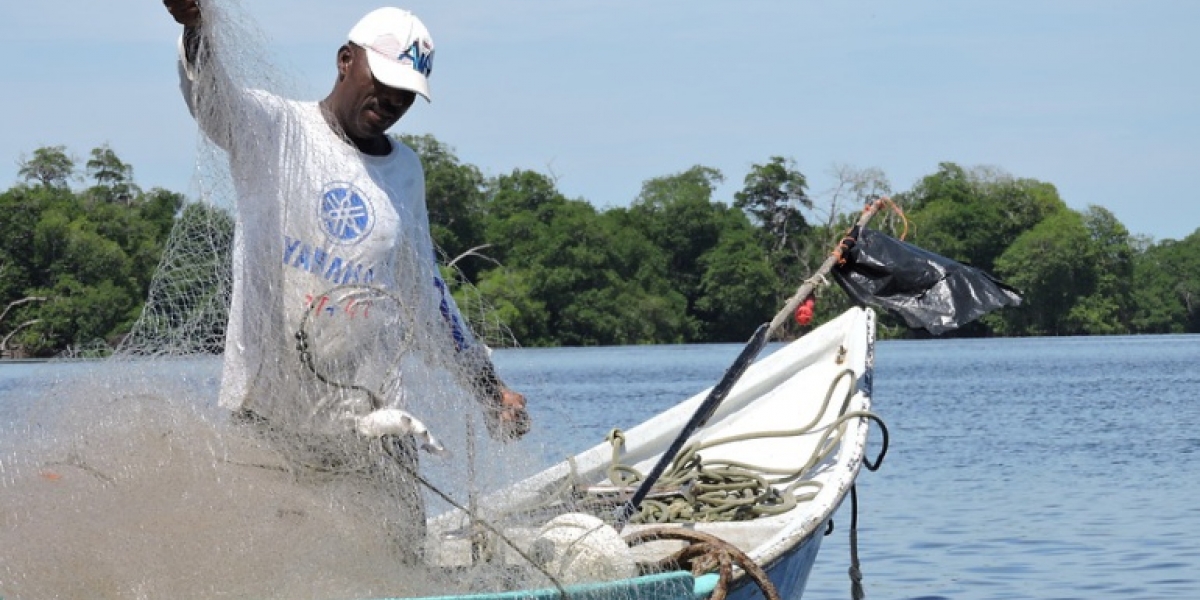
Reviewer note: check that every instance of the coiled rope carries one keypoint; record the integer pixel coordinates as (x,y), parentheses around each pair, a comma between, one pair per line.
(695,490)
(707,553)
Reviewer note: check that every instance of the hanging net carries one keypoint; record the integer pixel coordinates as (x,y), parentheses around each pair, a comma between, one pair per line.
(263,430)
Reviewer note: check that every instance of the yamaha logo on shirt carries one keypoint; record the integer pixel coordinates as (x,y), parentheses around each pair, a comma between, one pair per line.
(346,215)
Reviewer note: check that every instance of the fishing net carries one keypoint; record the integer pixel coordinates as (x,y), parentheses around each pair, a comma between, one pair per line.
(165,472)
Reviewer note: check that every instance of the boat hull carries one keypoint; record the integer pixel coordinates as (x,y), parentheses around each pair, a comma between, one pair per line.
(780,393)
(789,574)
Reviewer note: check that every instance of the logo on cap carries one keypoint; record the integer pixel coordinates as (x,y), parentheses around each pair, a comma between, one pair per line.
(420,56)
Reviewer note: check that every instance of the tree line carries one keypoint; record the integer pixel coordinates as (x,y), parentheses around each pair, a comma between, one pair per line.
(677,265)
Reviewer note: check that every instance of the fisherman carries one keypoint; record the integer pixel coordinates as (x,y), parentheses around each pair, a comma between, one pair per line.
(322,185)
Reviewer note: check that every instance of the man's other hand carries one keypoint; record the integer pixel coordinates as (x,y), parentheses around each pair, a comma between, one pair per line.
(185,12)
(509,420)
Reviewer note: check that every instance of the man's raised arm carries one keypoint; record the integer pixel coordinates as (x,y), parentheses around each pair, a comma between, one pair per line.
(187,13)
(204,85)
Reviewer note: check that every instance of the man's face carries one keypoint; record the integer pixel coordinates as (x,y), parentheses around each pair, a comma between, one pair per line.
(371,108)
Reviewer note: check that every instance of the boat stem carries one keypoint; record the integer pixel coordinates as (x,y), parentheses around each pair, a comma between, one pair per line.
(739,366)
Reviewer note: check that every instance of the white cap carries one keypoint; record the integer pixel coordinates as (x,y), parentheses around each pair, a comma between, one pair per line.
(398,47)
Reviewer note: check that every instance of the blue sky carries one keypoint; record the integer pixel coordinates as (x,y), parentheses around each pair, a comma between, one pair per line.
(1100,98)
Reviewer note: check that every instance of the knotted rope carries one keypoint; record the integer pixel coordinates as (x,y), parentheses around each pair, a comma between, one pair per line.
(695,490)
(705,554)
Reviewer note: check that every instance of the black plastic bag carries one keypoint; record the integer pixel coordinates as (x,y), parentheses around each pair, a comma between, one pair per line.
(928,291)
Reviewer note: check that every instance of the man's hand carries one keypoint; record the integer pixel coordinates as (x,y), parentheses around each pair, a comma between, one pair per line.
(508,419)
(503,409)
(185,12)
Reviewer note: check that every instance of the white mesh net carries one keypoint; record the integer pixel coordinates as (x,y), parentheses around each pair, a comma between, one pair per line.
(131,482)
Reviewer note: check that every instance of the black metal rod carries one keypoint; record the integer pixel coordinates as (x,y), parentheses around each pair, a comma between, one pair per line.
(703,413)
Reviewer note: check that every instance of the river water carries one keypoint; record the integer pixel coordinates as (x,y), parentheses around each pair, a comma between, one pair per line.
(1018,468)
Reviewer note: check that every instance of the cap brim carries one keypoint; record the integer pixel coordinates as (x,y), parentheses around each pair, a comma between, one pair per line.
(394,74)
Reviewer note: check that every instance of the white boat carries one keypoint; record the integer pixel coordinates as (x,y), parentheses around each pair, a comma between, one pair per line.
(820,384)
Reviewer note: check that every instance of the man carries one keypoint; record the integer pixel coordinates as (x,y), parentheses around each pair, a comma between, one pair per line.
(324,187)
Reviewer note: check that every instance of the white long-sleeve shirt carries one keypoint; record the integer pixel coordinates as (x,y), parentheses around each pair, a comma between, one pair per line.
(325,236)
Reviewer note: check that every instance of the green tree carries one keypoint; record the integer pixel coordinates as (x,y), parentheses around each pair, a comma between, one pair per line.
(90,263)
(714,256)
(158,208)
(588,280)
(675,266)
(738,289)
(518,208)
(113,176)
(10,327)
(591,279)
(677,215)
(509,294)
(775,195)
(50,166)
(644,305)
(1052,265)
(86,280)
(1107,309)
(20,211)
(1166,291)
(973,215)
(78,314)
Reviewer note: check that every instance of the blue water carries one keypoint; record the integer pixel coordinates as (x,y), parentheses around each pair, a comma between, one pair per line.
(1018,468)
